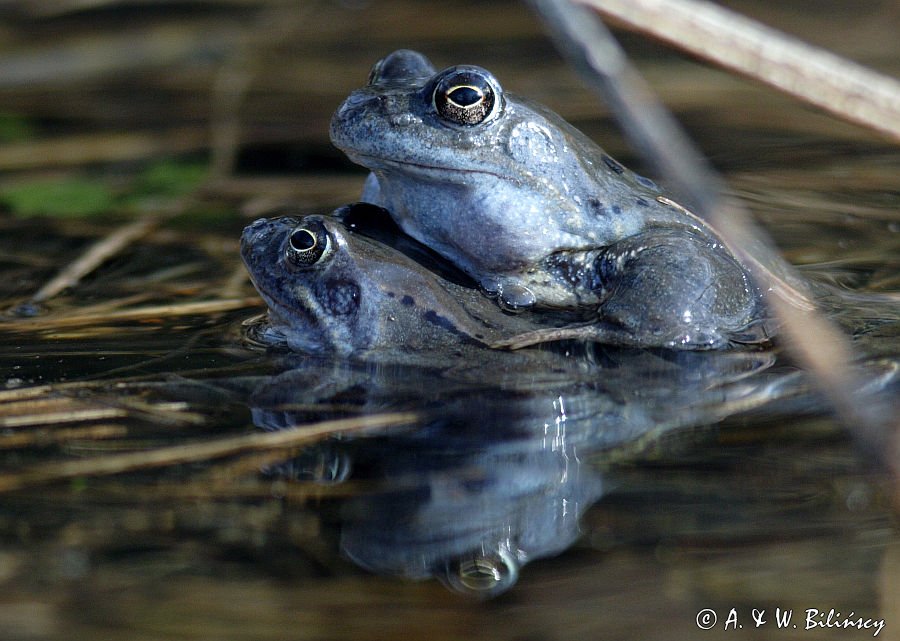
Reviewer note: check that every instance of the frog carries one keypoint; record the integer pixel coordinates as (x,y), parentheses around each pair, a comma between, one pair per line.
(349,283)
(538,214)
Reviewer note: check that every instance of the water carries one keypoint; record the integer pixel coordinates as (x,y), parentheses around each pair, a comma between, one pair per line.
(619,495)
(616,494)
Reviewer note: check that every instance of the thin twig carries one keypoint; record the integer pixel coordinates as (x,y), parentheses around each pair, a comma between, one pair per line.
(106,248)
(98,253)
(728,39)
(61,435)
(18,394)
(148,312)
(290,438)
(66,416)
(235,487)
(235,77)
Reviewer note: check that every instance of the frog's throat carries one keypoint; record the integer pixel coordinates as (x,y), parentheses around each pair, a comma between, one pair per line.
(376,162)
(283,311)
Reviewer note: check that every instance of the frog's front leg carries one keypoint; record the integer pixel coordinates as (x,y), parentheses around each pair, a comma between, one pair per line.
(371,192)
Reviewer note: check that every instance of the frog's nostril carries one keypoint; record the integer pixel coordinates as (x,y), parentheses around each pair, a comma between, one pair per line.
(254,227)
(255,232)
(355,100)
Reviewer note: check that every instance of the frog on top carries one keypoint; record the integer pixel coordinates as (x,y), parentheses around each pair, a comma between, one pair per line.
(538,214)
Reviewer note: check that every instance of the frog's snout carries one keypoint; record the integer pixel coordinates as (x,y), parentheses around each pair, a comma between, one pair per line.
(252,233)
(352,117)
(353,108)
(256,239)
(254,227)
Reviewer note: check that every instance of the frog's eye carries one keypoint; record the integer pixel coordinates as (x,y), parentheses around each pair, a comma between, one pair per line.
(466,96)
(307,244)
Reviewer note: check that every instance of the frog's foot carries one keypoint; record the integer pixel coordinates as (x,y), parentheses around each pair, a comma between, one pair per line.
(549,335)
(598,332)
(601,332)
(758,332)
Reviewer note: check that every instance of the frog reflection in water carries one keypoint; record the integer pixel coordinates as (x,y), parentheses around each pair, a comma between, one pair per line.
(330,289)
(537,213)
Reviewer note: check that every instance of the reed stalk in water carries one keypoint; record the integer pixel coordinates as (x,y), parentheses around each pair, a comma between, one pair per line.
(812,339)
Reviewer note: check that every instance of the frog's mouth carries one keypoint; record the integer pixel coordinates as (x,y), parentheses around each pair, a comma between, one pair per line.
(298,324)
(284,313)
(290,313)
(436,172)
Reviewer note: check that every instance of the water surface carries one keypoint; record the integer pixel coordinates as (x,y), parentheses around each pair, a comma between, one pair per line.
(616,494)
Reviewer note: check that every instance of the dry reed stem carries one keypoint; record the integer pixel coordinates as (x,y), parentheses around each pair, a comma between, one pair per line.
(288,439)
(730,40)
(164,413)
(97,254)
(231,489)
(62,435)
(24,393)
(107,306)
(42,412)
(817,344)
(236,282)
(147,313)
(19,394)
(43,418)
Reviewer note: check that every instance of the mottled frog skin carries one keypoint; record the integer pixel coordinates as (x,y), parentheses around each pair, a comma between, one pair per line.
(537,213)
(333,290)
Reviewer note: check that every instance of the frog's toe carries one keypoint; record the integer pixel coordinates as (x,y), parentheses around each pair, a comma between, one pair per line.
(516,298)
(547,335)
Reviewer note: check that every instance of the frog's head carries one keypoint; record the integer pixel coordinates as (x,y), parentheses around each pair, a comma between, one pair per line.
(451,126)
(350,283)
(310,278)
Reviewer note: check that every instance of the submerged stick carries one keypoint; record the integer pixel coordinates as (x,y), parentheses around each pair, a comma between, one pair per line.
(816,76)
(823,350)
(149,312)
(104,249)
(61,435)
(97,254)
(293,437)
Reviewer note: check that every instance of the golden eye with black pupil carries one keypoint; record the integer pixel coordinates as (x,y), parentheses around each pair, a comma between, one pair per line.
(466,97)
(307,244)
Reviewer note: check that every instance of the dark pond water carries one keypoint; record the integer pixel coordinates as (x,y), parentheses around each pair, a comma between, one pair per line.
(582,493)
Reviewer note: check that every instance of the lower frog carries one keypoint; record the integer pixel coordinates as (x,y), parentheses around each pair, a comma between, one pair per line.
(346,284)
(331,289)
(537,213)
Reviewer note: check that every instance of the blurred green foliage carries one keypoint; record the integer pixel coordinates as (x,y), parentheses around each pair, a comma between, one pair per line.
(168,179)
(61,197)
(15,128)
(151,189)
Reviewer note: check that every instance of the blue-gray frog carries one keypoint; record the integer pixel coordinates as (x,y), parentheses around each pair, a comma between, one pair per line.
(538,214)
